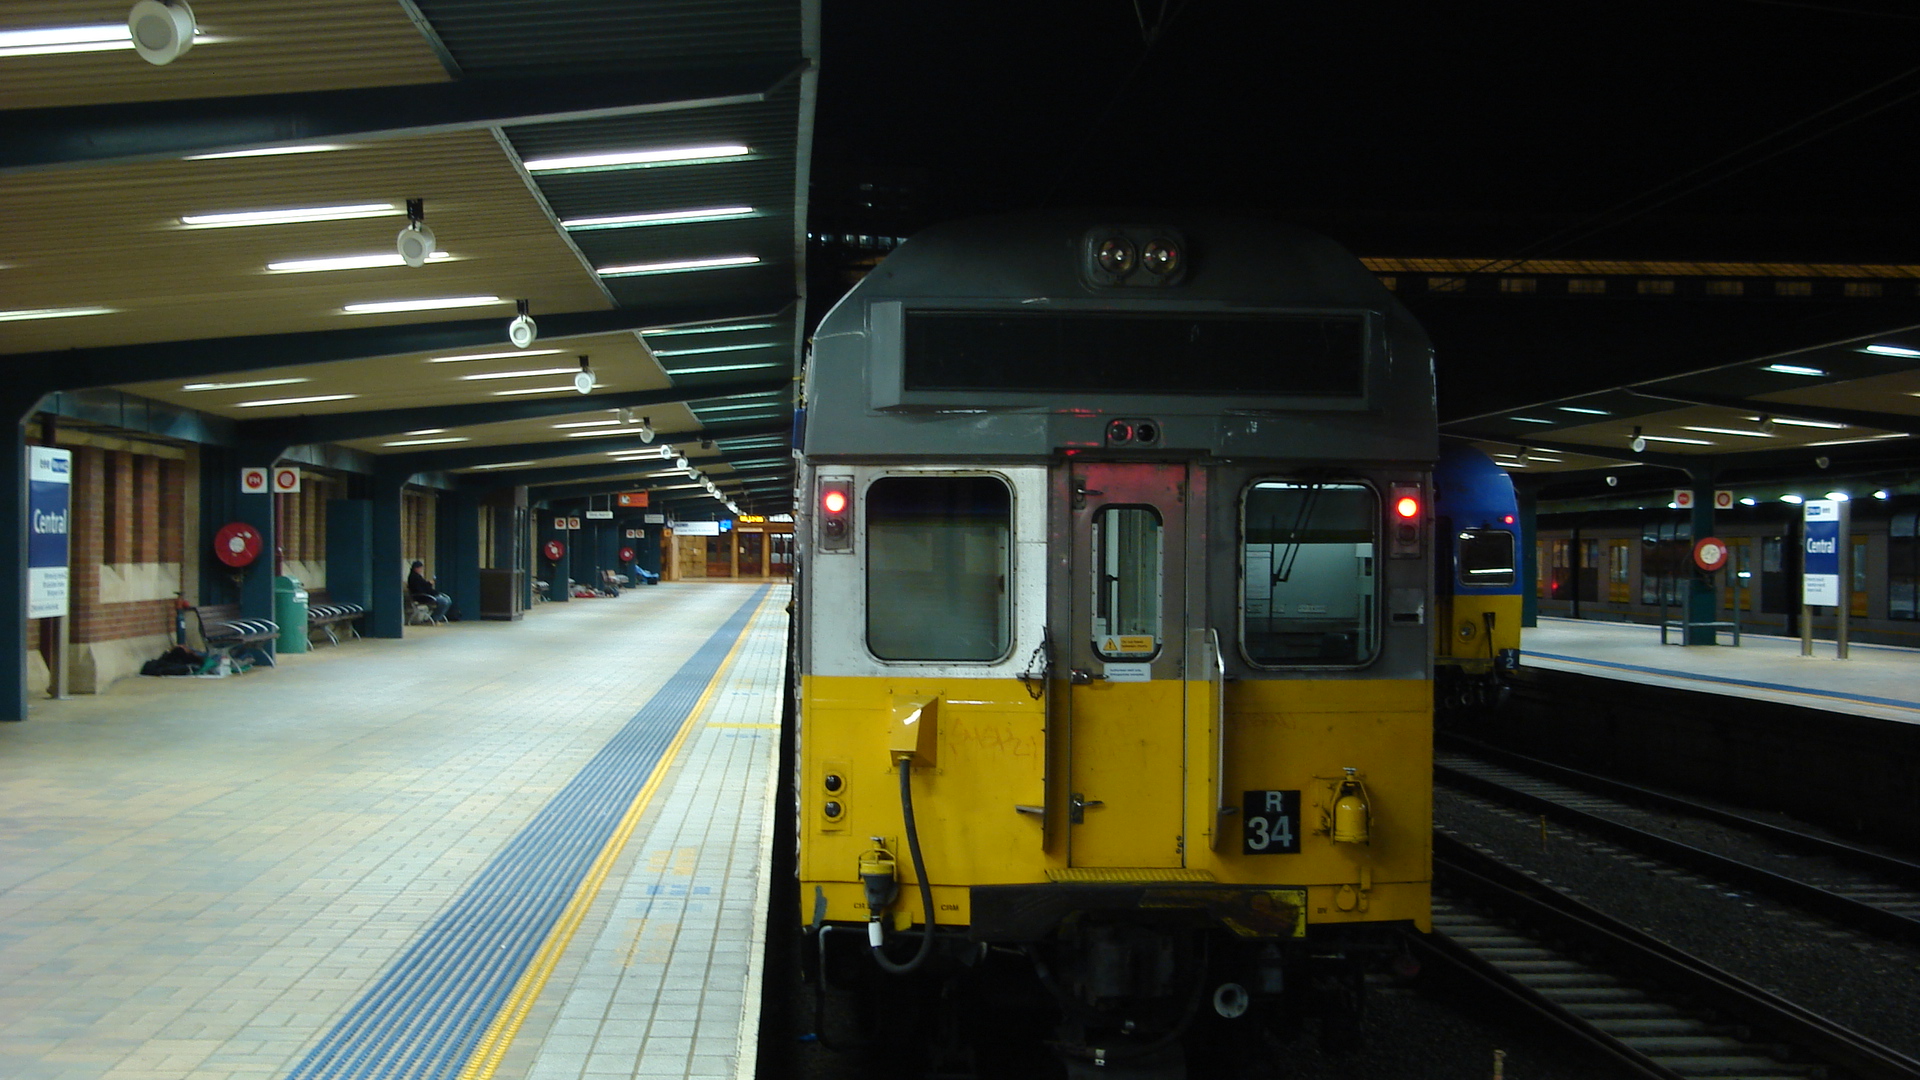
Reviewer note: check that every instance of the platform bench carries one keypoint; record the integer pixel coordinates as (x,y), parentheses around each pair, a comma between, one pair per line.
(324,613)
(1683,626)
(228,635)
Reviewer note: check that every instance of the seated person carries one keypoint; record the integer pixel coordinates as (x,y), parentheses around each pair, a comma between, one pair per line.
(422,589)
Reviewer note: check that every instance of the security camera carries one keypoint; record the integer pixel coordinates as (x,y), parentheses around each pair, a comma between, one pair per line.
(646,429)
(415,243)
(162,29)
(521,331)
(1822,461)
(1613,481)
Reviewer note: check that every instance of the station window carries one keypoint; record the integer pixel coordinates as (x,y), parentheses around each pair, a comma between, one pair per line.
(1446,284)
(1726,288)
(1863,289)
(1655,287)
(1903,566)
(1486,557)
(1587,286)
(938,557)
(1518,285)
(1308,567)
(1793,288)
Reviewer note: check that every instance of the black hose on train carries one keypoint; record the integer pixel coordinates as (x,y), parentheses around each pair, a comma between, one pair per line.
(919,874)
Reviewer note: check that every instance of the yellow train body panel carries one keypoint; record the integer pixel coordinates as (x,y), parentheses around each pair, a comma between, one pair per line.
(1151,750)
(1463,635)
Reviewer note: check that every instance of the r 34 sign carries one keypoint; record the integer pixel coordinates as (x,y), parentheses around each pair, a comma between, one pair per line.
(1270,823)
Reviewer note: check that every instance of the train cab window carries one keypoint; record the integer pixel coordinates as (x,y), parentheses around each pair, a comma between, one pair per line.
(938,556)
(1308,564)
(1486,557)
(1126,584)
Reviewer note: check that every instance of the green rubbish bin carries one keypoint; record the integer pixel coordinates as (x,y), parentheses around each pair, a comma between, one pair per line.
(290,611)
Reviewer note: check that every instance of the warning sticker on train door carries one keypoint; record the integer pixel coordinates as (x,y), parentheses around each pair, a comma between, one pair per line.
(1122,645)
(1270,823)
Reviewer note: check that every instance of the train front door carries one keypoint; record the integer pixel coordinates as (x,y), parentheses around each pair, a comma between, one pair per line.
(1125,722)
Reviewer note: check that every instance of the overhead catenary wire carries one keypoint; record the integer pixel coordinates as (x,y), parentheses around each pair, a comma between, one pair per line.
(1637,206)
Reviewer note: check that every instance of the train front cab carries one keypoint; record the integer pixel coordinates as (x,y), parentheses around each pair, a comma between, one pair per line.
(1168,725)
(1477,599)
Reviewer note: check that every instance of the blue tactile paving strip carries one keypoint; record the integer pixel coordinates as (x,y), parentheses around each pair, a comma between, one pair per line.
(423,1017)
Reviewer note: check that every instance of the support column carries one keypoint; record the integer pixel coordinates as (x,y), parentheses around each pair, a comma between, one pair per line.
(19,404)
(387,591)
(459,554)
(1526,526)
(1702,601)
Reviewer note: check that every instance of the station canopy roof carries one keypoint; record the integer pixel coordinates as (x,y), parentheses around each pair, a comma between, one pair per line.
(634,173)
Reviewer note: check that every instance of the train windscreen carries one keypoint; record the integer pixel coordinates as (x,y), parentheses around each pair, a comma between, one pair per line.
(1264,355)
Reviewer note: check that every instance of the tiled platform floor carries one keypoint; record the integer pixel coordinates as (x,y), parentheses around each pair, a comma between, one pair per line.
(198,877)
(1875,680)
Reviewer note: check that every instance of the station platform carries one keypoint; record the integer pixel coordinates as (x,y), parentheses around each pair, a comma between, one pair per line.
(1880,681)
(529,850)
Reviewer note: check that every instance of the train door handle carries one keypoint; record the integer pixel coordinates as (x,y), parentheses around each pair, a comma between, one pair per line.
(1081,676)
(1077,808)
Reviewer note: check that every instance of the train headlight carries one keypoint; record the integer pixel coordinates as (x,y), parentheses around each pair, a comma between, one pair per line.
(1161,257)
(1116,256)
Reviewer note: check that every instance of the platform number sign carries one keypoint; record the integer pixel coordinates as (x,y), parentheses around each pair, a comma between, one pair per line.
(1270,823)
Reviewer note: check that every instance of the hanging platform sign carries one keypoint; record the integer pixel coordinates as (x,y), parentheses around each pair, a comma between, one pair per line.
(49,510)
(696,528)
(599,515)
(631,498)
(1820,581)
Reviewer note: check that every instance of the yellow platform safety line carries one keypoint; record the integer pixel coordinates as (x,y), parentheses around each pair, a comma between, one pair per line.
(493,1045)
(756,727)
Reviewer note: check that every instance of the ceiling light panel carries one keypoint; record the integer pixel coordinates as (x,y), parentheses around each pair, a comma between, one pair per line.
(530,373)
(678,331)
(268,151)
(638,221)
(227,219)
(514,355)
(679,266)
(638,159)
(293,400)
(190,387)
(437,303)
(345,262)
(28,314)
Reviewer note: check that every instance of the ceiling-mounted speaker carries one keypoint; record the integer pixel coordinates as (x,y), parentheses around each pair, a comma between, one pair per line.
(162,29)
(415,243)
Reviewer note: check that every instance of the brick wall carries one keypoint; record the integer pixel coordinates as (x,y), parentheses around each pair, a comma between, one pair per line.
(128,510)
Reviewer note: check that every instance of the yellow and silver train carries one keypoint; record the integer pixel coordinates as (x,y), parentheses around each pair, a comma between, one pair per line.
(1113,643)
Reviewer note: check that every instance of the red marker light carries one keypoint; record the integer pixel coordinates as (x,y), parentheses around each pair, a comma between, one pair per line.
(834,501)
(1508,520)
(1407,507)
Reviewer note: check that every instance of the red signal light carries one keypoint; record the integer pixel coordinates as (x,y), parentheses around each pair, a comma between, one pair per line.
(834,501)
(1407,506)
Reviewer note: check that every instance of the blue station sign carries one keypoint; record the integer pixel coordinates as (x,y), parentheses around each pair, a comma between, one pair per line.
(49,515)
(1820,577)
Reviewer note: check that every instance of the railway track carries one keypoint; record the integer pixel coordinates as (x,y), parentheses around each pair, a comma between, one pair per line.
(1654,1010)
(1853,886)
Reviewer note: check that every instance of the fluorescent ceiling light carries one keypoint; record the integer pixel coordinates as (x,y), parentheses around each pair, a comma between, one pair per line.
(267,151)
(507,464)
(346,262)
(682,266)
(569,389)
(1677,439)
(1589,412)
(1791,499)
(430,304)
(59,39)
(634,430)
(638,159)
(293,400)
(24,314)
(515,354)
(427,442)
(242,385)
(753,405)
(1850,442)
(678,330)
(527,374)
(343,212)
(587,423)
(1891,350)
(1791,422)
(1839,496)
(1793,369)
(1727,431)
(425,431)
(713,349)
(723,367)
(1530,420)
(682,217)
(1749,501)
